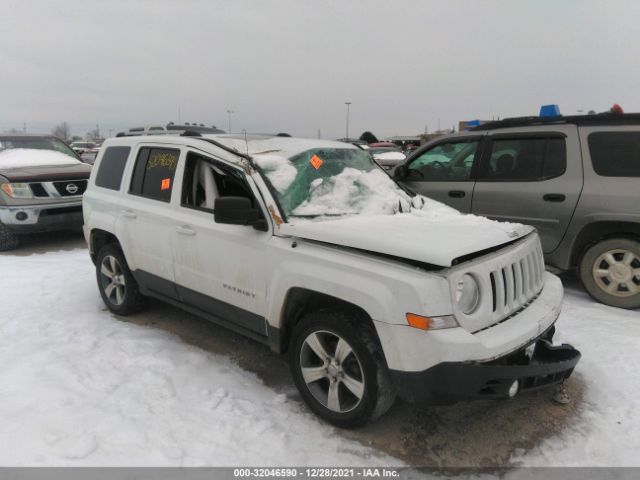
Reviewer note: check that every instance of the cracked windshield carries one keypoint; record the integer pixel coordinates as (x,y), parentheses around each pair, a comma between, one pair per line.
(332,182)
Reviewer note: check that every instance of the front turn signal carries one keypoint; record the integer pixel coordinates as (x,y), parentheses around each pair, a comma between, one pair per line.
(431,323)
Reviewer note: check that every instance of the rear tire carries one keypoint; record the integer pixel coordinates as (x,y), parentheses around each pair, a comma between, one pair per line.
(8,240)
(339,369)
(610,272)
(118,288)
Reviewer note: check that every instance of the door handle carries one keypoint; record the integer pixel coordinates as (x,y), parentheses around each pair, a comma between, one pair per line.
(553,197)
(129,214)
(185,230)
(457,193)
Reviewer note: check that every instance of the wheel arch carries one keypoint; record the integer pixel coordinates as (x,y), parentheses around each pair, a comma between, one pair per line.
(299,301)
(595,232)
(98,239)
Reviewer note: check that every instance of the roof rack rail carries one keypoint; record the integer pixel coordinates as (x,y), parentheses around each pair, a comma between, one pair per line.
(224,147)
(596,119)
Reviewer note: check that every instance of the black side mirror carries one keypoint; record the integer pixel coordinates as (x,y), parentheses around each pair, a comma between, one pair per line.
(238,211)
(400,173)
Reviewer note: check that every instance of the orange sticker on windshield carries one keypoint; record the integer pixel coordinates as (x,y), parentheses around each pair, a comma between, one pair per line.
(166,184)
(316,162)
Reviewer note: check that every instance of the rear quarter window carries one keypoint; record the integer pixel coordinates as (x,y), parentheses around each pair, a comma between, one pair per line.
(615,154)
(111,167)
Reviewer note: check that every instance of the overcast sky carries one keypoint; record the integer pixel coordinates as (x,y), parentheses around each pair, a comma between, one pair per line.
(290,65)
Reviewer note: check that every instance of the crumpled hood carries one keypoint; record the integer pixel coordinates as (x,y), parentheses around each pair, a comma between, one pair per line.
(437,238)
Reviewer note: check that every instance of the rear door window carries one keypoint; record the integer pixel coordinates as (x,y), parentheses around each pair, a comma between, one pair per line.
(525,159)
(615,154)
(154,172)
(111,167)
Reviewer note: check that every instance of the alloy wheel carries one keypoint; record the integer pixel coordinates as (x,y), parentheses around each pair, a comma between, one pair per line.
(617,272)
(112,280)
(332,371)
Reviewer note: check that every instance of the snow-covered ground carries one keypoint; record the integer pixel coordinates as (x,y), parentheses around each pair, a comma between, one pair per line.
(606,431)
(80,387)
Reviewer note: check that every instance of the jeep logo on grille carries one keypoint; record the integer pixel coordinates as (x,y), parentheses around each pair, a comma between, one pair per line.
(72,188)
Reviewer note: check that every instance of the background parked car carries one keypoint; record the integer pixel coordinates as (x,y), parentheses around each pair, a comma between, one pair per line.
(41,185)
(387,156)
(84,147)
(576,179)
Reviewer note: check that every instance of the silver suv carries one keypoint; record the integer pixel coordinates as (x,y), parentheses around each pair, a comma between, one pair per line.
(576,179)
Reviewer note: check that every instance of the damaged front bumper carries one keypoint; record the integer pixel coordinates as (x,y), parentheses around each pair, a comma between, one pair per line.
(538,365)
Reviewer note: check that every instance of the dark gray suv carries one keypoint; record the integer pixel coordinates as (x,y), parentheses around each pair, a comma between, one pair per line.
(576,179)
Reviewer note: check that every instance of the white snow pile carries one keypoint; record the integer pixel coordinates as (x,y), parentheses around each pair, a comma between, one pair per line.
(354,191)
(32,157)
(279,170)
(80,387)
(606,432)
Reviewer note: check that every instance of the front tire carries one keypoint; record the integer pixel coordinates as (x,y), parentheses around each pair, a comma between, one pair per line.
(118,288)
(610,272)
(339,368)
(8,240)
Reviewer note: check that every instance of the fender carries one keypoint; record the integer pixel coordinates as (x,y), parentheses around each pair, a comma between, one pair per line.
(383,288)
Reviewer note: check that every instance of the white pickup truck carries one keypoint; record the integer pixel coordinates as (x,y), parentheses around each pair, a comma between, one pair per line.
(311,248)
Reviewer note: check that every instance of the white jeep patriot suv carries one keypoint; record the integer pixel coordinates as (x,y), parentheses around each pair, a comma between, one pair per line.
(311,248)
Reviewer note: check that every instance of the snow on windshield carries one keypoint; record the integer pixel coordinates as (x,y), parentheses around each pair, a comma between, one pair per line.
(332,181)
(353,192)
(279,170)
(31,157)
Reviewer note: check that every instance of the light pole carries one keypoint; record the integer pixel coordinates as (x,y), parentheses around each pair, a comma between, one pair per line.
(347,104)
(230,112)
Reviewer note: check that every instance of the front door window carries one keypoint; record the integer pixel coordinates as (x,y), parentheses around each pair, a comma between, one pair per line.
(447,162)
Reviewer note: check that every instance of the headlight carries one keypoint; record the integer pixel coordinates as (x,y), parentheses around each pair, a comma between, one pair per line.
(467,294)
(17,190)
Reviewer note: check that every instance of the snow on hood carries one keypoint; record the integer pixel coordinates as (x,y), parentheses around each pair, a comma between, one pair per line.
(31,157)
(431,232)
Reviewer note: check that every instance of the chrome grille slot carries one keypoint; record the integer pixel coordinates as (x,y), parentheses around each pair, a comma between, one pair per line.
(517,279)
(532,273)
(509,287)
(524,269)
